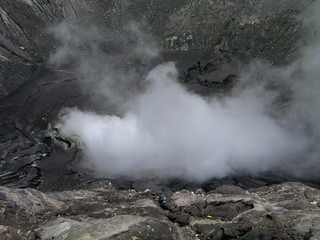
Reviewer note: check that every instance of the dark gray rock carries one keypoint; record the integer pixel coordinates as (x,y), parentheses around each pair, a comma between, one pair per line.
(264,29)
(23,41)
(216,33)
(126,214)
(9,233)
(229,189)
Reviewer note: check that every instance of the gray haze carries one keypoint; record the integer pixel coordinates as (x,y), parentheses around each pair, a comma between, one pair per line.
(110,65)
(165,130)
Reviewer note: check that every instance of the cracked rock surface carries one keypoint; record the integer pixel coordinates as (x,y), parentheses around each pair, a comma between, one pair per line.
(284,211)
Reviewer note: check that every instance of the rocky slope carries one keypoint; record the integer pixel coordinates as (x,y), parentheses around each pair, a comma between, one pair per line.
(265,29)
(33,158)
(189,31)
(285,211)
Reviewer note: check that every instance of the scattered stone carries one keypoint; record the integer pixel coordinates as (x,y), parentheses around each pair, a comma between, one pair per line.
(283,211)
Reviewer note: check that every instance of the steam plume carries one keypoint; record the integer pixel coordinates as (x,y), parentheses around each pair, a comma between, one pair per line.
(168,131)
(175,133)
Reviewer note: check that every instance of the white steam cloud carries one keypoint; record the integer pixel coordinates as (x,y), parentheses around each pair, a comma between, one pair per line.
(175,133)
(166,130)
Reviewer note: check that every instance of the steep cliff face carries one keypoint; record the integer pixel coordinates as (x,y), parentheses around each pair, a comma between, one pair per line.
(246,29)
(23,40)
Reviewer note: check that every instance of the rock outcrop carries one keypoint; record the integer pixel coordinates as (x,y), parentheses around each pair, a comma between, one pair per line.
(284,211)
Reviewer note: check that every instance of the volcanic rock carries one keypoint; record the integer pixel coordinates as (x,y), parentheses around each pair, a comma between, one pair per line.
(283,211)
(228,29)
